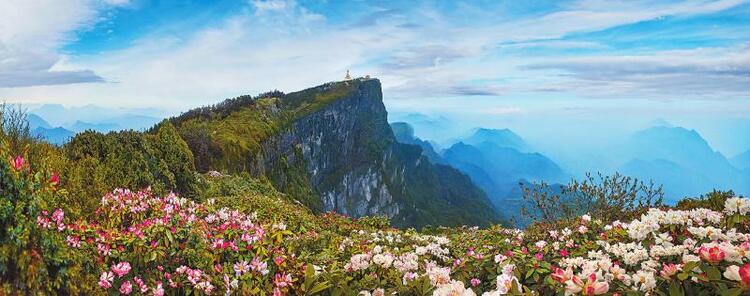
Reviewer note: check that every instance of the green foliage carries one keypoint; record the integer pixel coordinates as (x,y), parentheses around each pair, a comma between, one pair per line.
(713,200)
(128,159)
(31,261)
(607,197)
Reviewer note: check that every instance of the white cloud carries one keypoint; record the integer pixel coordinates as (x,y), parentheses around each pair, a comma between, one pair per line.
(30,34)
(282,45)
(262,6)
(717,73)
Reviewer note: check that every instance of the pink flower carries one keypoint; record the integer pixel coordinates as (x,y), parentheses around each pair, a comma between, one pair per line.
(562,276)
(126,288)
(258,266)
(278,260)
(58,215)
(141,285)
(668,270)
(105,280)
(43,222)
(103,249)
(73,241)
(475,282)
(713,254)
(539,256)
(241,267)
(158,291)
(18,163)
(282,280)
(121,269)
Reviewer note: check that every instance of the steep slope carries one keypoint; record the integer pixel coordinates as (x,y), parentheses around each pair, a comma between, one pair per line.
(404,133)
(331,147)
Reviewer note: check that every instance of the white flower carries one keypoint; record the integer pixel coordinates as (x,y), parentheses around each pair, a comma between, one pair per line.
(454,288)
(733,273)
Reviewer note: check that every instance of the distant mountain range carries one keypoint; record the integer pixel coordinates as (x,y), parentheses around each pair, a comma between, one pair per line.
(683,162)
(41,128)
(494,160)
(497,160)
(57,124)
(504,138)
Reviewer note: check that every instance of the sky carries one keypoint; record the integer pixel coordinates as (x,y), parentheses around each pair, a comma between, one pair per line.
(540,67)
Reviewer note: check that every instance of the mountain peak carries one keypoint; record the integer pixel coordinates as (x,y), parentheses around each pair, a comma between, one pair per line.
(500,137)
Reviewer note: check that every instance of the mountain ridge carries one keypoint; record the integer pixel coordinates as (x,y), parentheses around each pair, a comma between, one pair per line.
(332,145)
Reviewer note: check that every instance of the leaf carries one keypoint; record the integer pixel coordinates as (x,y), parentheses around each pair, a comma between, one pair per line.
(713,273)
(732,292)
(309,276)
(675,289)
(319,288)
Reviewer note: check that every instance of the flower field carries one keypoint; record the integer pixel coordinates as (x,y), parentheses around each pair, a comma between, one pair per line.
(140,243)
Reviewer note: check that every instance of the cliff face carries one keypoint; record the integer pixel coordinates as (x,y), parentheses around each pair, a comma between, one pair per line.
(334,150)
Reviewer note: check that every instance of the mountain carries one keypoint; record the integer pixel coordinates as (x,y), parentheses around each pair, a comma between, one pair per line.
(677,181)
(742,160)
(80,126)
(505,165)
(131,122)
(404,133)
(499,137)
(41,128)
(332,148)
(91,117)
(681,160)
(57,136)
(429,127)
(499,170)
(36,122)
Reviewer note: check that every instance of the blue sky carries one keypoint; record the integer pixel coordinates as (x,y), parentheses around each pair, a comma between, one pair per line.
(529,64)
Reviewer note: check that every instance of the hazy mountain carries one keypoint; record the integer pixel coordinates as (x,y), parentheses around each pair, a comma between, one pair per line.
(35,121)
(57,135)
(124,118)
(500,137)
(41,128)
(132,121)
(499,170)
(437,128)
(681,160)
(80,126)
(404,133)
(742,160)
(505,165)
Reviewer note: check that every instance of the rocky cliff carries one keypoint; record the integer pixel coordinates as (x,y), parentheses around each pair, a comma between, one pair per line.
(332,148)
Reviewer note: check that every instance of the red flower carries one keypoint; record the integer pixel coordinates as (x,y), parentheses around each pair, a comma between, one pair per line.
(745,274)
(54,180)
